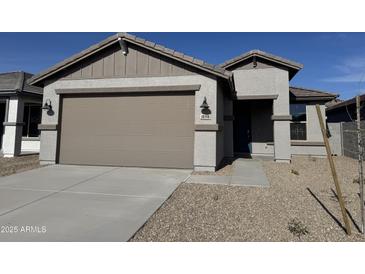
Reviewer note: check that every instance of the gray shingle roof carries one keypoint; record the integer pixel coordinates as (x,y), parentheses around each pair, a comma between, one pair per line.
(17,82)
(265,55)
(305,93)
(212,69)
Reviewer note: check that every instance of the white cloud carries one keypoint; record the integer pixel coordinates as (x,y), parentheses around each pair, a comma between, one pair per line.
(348,78)
(351,69)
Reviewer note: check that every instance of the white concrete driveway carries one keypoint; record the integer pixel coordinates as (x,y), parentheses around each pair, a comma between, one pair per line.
(82,203)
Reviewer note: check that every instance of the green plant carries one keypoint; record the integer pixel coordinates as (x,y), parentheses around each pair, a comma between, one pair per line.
(294,172)
(297,228)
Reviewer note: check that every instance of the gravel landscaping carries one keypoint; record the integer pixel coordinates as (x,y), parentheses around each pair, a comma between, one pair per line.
(10,166)
(299,205)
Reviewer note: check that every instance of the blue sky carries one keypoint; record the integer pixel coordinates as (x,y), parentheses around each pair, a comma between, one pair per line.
(332,61)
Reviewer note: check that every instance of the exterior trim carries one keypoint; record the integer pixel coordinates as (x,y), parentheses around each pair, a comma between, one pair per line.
(130,89)
(48,126)
(302,143)
(257,97)
(313,98)
(309,143)
(7,93)
(281,117)
(31,139)
(208,127)
(13,123)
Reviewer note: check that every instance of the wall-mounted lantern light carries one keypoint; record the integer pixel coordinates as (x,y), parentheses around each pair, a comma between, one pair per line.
(204,105)
(47,105)
(205,109)
(123,46)
(254,62)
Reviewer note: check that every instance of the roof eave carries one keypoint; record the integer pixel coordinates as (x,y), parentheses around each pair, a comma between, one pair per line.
(313,98)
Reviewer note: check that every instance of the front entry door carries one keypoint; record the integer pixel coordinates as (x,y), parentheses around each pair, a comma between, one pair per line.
(242,127)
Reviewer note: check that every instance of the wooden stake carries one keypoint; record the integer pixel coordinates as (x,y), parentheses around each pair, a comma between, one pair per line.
(333,170)
(361,175)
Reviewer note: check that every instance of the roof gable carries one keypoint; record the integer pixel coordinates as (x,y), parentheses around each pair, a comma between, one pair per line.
(139,62)
(293,67)
(181,58)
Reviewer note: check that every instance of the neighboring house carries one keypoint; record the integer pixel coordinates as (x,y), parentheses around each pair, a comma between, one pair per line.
(20,114)
(130,102)
(345,111)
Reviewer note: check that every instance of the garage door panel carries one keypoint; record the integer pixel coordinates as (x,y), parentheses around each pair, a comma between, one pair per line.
(149,131)
(123,157)
(135,129)
(145,108)
(137,143)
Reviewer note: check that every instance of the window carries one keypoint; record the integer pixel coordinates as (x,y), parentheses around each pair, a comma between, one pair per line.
(298,126)
(32,117)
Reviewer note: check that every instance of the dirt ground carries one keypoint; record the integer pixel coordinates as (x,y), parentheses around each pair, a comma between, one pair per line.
(18,164)
(299,205)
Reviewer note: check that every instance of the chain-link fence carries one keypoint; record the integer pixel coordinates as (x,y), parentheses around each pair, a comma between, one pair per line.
(349,138)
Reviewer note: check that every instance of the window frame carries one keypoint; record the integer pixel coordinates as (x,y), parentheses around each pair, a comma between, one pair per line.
(299,122)
(28,122)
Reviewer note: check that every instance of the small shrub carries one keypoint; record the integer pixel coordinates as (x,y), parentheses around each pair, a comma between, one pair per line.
(215,197)
(295,172)
(297,228)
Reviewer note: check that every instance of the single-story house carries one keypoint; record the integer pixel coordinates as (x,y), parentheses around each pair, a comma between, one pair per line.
(130,102)
(20,114)
(345,111)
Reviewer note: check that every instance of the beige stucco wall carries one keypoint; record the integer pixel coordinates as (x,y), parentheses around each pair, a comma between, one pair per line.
(29,145)
(205,142)
(313,128)
(308,150)
(336,139)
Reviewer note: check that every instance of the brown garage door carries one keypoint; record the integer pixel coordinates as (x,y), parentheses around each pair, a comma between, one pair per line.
(134,130)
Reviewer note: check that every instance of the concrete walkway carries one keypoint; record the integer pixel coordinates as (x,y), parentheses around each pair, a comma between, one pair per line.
(248,172)
(245,172)
(82,203)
